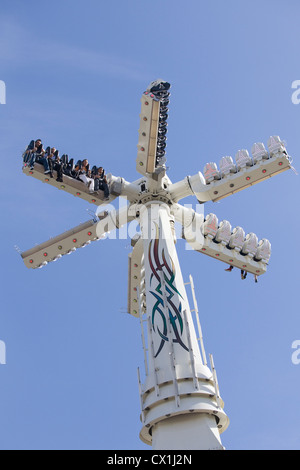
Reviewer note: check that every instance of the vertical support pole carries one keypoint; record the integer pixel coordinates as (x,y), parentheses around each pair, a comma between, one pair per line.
(141,394)
(153,357)
(142,332)
(195,378)
(178,415)
(200,339)
(214,373)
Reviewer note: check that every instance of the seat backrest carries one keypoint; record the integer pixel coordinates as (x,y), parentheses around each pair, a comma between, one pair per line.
(64,159)
(31,145)
(210,172)
(237,238)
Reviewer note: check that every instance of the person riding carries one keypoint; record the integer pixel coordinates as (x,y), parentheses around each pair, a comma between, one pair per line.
(101,182)
(83,173)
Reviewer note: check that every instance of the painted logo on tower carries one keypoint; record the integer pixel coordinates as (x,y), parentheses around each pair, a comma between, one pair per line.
(159,319)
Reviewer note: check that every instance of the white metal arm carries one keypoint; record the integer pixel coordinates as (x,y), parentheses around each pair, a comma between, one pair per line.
(77,237)
(250,173)
(219,241)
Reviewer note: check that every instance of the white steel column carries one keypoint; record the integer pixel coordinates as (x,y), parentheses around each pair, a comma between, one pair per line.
(181,408)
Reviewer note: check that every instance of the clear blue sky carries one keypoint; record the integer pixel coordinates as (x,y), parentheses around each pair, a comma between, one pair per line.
(74,73)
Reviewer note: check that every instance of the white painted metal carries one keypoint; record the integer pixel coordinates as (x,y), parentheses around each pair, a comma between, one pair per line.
(178,383)
(72,186)
(201,240)
(77,237)
(142,333)
(232,182)
(200,339)
(193,431)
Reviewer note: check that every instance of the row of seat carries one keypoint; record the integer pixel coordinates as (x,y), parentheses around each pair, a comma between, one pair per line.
(160,89)
(236,239)
(243,159)
(94,177)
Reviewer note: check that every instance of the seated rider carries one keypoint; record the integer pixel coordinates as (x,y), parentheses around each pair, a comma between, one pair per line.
(58,166)
(39,155)
(27,153)
(35,153)
(101,182)
(55,163)
(83,173)
(95,180)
